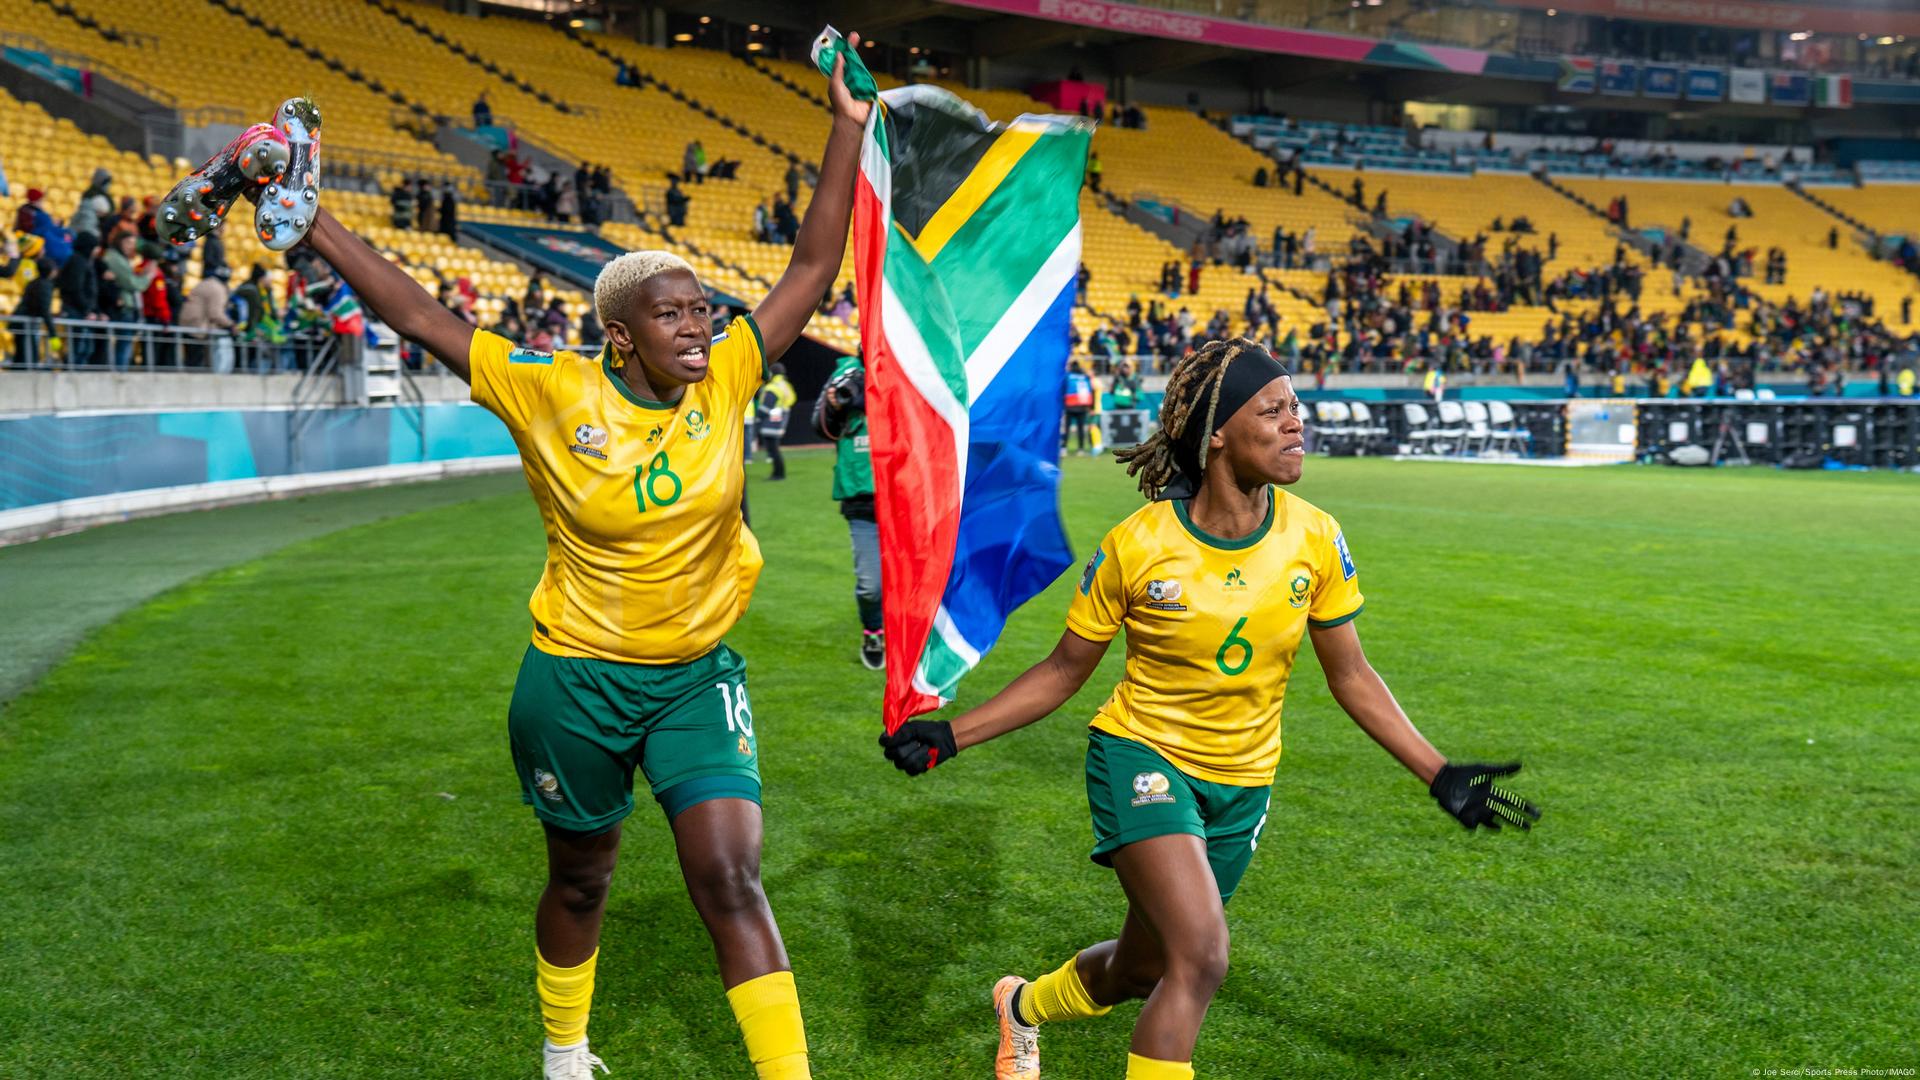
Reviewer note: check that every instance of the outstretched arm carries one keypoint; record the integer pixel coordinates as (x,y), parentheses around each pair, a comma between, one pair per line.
(389,293)
(1038,691)
(1361,692)
(919,745)
(822,242)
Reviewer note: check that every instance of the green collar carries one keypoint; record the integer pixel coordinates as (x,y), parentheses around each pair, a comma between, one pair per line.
(1207,538)
(620,384)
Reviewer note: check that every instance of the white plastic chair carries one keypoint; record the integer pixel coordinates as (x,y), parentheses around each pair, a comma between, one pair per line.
(1420,430)
(1365,428)
(1479,430)
(1507,429)
(1327,426)
(1452,425)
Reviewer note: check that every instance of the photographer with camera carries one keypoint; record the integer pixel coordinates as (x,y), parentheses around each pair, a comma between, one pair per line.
(840,414)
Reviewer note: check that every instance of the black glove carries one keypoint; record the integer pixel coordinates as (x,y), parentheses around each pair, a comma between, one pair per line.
(919,745)
(1470,795)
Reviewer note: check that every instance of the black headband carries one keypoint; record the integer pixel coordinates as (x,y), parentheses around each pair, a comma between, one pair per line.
(1249,373)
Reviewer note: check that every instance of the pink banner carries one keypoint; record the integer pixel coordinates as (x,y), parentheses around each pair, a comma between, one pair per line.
(1234,34)
(1084,98)
(1828,17)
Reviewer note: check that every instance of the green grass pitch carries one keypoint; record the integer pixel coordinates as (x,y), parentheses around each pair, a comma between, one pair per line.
(265,824)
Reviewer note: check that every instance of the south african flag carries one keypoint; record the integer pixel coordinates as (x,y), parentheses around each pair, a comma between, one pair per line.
(966,239)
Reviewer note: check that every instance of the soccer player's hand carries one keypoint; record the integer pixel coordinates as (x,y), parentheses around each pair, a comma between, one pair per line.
(919,745)
(1470,795)
(843,102)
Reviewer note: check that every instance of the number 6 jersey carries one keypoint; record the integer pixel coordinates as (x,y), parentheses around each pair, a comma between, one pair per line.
(648,561)
(1212,628)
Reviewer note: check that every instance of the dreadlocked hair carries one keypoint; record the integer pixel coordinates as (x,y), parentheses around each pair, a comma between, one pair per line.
(1179,448)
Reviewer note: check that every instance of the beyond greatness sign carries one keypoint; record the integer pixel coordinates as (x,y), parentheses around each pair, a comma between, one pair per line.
(1234,34)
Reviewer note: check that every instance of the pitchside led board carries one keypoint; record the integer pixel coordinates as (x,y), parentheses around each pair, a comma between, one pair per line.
(1601,429)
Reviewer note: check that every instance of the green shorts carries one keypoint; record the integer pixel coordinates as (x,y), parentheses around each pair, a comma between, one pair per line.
(578,727)
(1136,794)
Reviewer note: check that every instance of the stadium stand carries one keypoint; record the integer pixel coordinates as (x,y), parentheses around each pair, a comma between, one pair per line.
(208,55)
(580,97)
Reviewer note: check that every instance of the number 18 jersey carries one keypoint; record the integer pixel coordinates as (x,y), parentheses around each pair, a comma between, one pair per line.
(1212,629)
(648,560)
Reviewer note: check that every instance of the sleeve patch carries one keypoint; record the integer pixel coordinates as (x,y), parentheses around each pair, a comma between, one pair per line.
(1346,557)
(1093,567)
(529,356)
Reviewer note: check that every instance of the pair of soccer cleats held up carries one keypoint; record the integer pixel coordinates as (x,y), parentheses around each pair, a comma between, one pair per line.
(276,166)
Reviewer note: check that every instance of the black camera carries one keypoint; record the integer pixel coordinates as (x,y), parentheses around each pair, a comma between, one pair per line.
(849,392)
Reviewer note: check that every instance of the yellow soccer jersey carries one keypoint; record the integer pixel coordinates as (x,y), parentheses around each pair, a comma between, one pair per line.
(648,560)
(1212,629)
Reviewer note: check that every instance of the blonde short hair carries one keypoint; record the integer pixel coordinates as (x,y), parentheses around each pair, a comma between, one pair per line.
(619,282)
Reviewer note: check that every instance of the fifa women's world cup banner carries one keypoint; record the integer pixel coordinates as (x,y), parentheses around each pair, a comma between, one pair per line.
(966,240)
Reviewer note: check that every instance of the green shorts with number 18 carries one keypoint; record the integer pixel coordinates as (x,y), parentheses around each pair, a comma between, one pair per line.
(579,727)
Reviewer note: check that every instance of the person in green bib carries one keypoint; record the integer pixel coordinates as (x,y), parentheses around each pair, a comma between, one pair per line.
(1125,391)
(840,415)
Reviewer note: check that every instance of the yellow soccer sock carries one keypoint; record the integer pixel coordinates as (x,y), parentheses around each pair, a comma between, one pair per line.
(1059,995)
(566,995)
(768,1009)
(1140,1068)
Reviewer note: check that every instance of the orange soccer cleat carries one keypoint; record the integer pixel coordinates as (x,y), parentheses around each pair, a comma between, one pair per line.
(198,204)
(288,205)
(1019,1054)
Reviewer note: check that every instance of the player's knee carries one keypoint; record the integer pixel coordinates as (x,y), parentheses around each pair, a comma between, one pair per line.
(582,889)
(728,889)
(1200,965)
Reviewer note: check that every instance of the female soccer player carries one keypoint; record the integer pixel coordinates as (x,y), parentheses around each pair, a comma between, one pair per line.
(634,458)
(1215,580)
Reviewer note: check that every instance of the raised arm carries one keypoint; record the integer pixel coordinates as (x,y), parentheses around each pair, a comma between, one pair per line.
(822,242)
(1465,791)
(389,293)
(919,745)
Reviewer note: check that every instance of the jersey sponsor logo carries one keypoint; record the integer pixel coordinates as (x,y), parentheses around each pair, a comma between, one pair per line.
(529,356)
(1346,557)
(1236,581)
(547,784)
(1164,595)
(697,426)
(1151,787)
(589,440)
(1298,588)
(1093,567)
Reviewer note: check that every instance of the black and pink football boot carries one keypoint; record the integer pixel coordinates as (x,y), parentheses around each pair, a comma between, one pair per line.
(257,157)
(288,204)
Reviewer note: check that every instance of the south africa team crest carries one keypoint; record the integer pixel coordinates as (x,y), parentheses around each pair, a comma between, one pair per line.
(1299,588)
(697,426)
